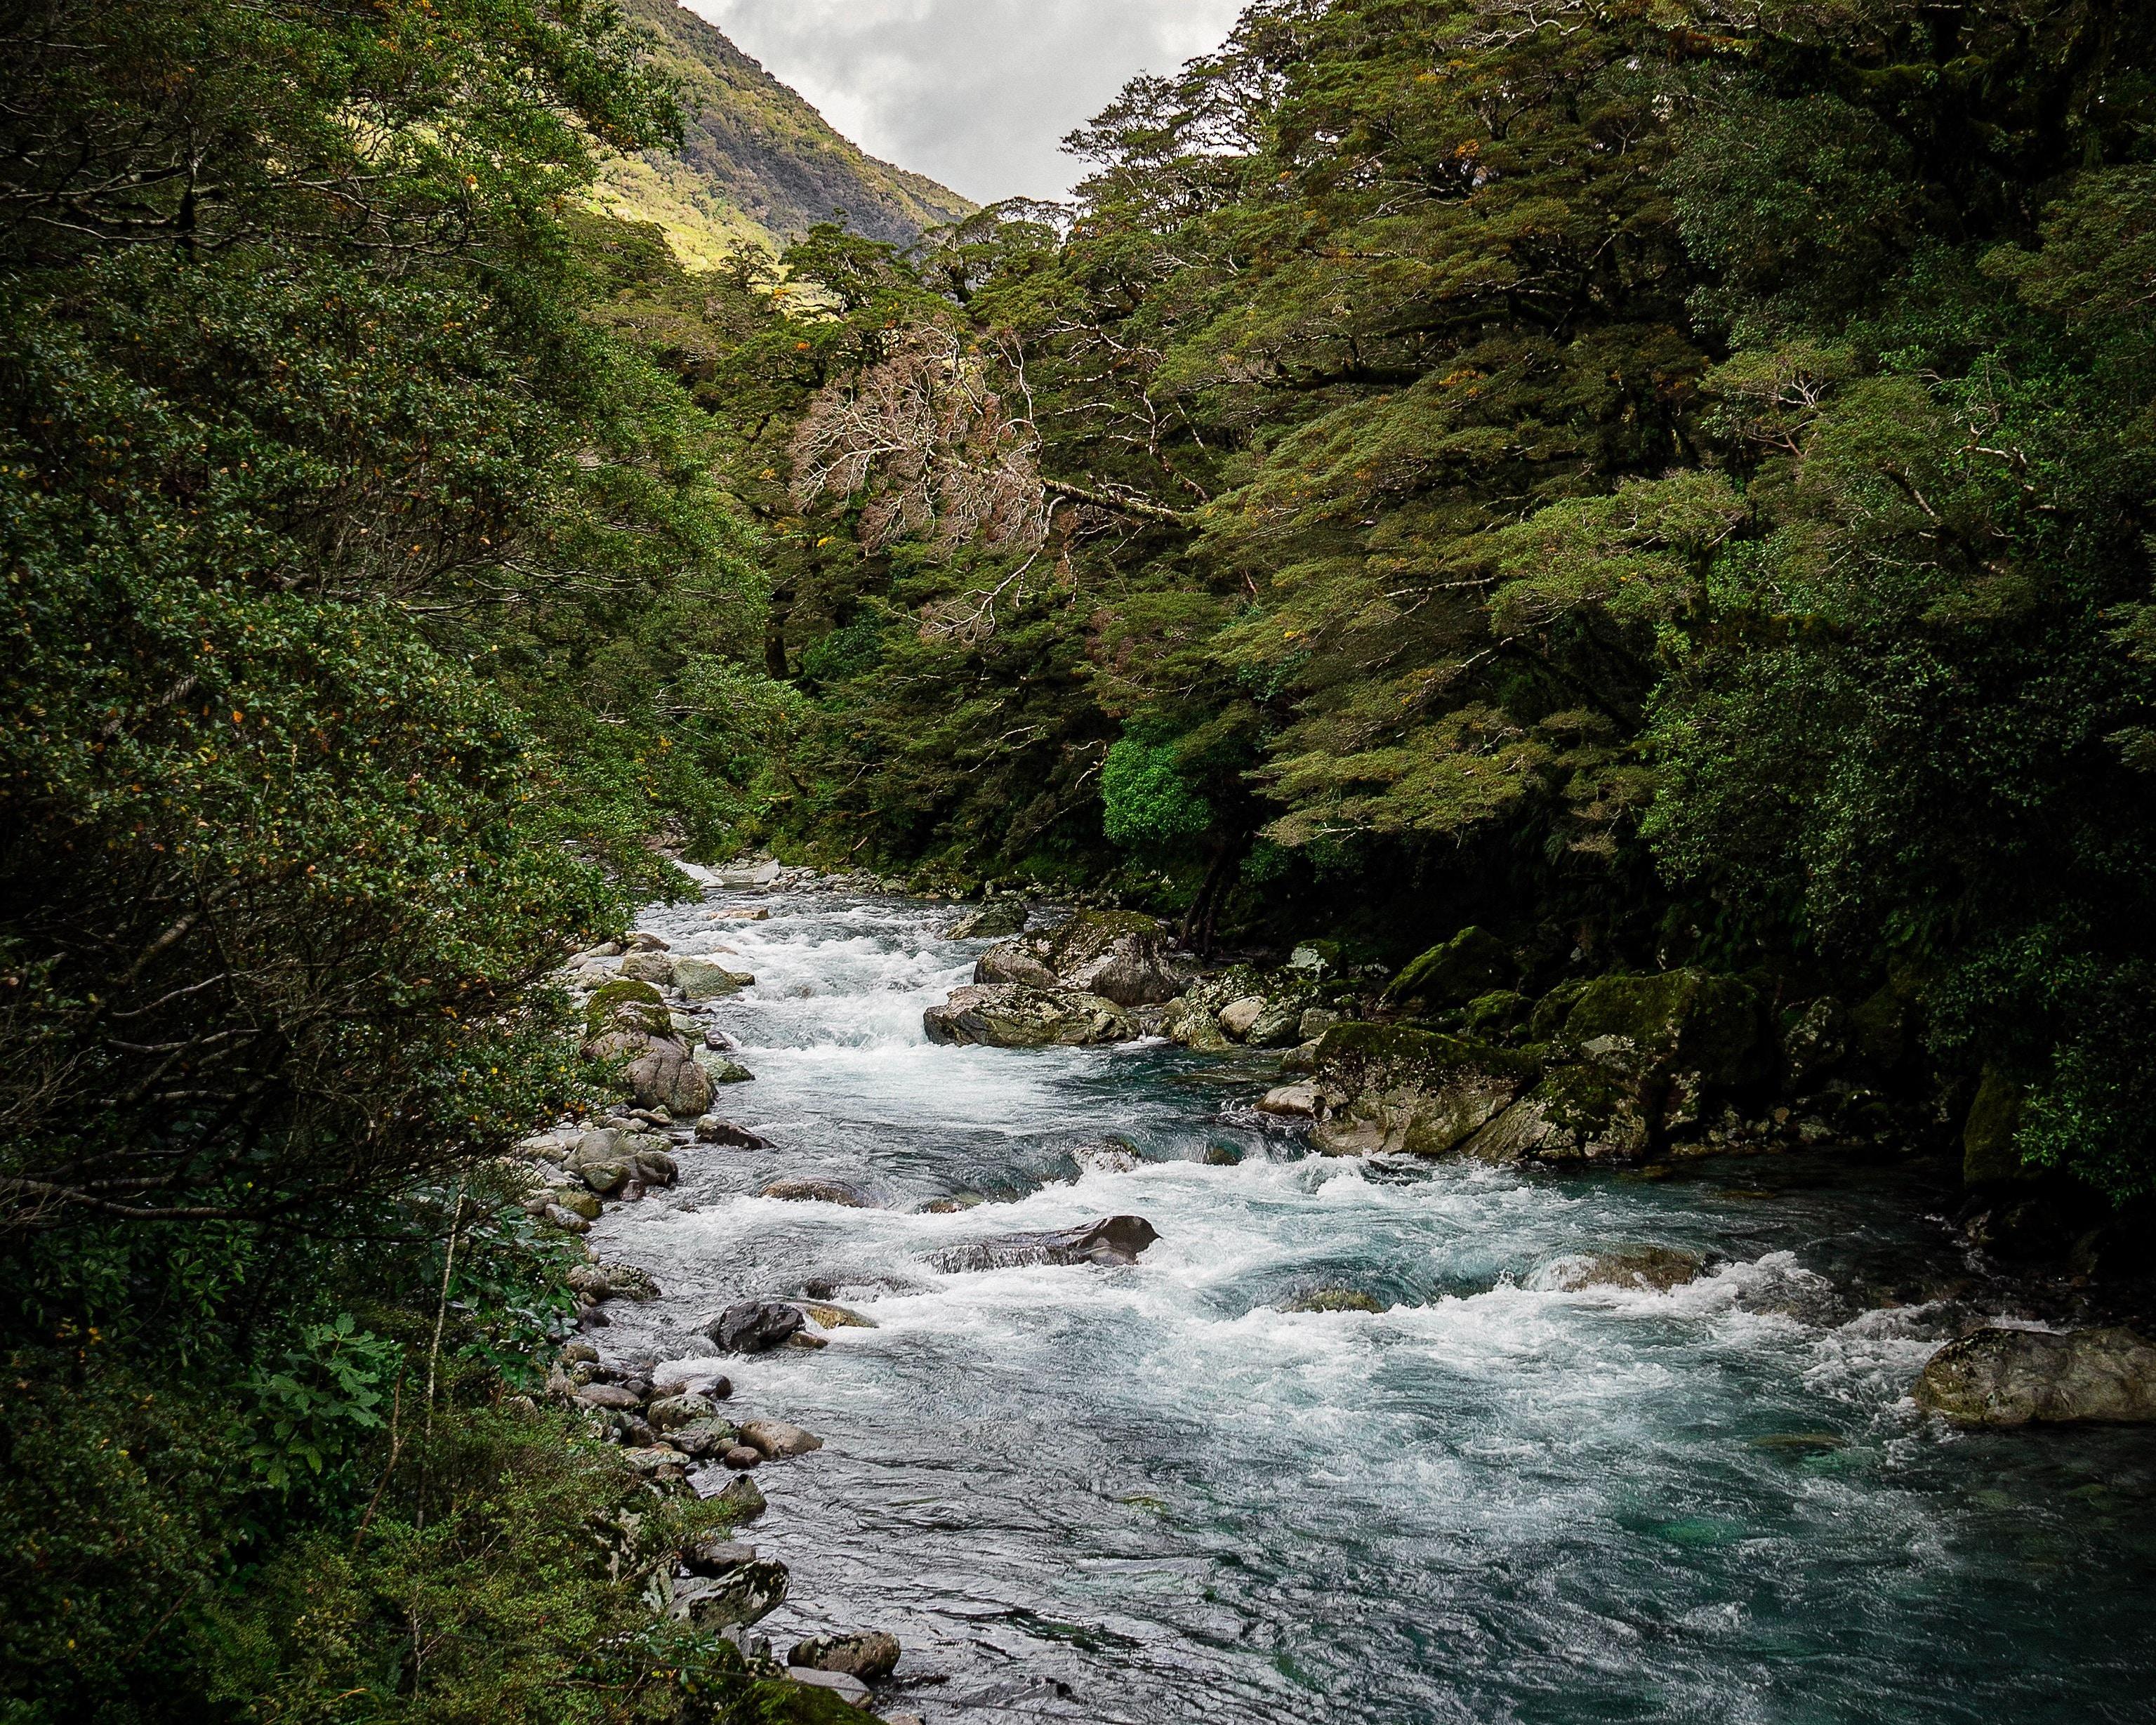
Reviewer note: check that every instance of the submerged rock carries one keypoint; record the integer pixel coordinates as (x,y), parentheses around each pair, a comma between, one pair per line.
(870,1655)
(818,1192)
(1115,1240)
(1334,1300)
(1013,1016)
(836,1318)
(2000,1377)
(1659,1268)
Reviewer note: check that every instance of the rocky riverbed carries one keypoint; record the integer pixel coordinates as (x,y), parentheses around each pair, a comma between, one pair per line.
(1083,1332)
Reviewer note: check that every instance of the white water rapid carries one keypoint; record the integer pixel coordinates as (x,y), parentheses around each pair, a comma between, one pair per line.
(1146,1495)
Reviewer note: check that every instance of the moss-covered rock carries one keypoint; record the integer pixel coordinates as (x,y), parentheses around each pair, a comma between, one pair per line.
(628,1005)
(1473,962)
(1582,1113)
(1495,1014)
(1688,1020)
(1546,1022)
(1394,1089)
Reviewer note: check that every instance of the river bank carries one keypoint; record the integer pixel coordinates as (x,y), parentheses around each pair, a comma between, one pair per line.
(1150,1493)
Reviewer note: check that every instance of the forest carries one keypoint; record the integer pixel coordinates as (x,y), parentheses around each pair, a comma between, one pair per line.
(1670,482)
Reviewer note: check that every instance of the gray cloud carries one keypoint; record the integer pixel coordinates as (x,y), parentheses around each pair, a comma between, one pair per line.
(974,92)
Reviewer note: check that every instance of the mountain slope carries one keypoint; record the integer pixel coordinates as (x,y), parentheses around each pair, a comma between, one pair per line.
(758,163)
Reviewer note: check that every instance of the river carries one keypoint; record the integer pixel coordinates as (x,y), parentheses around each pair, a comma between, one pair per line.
(1145,1495)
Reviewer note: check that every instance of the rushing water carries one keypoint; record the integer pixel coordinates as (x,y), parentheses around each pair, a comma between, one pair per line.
(1146,1495)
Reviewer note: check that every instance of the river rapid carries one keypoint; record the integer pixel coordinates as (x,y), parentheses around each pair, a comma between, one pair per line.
(1145,1495)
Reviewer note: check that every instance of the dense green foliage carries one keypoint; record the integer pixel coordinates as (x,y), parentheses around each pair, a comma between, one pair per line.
(1669,483)
(369,610)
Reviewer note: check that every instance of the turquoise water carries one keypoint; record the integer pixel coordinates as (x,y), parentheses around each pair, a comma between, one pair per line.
(1145,1495)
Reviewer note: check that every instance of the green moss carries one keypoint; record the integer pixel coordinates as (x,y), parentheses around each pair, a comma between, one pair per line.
(1473,962)
(1989,1156)
(1402,1055)
(1708,1023)
(610,997)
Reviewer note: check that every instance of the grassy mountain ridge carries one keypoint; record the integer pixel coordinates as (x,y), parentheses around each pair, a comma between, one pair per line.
(757,162)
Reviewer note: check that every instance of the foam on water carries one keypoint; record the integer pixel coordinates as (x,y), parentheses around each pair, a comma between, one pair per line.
(1494,1500)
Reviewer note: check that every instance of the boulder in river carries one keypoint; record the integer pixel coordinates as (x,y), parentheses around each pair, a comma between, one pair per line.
(656,968)
(712,1130)
(718,1068)
(1012,1016)
(676,1411)
(1237,1016)
(1118,955)
(700,979)
(869,1655)
(818,1192)
(1999,1377)
(1114,1240)
(997,920)
(779,1441)
(1588,1112)
(754,1326)
(836,1318)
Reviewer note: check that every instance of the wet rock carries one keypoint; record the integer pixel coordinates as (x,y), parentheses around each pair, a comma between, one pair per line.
(656,1167)
(1114,1240)
(818,1192)
(754,1326)
(746,1593)
(848,1689)
(1108,1156)
(953,1205)
(1657,1268)
(716,1556)
(1394,1090)
(1334,1300)
(871,1656)
(995,921)
(1017,1017)
(777,1440)
(1294,1102)
(742,1456)
(712,1130)
(2006,1378)
(609,1395)
(807,1341)
(1474,962)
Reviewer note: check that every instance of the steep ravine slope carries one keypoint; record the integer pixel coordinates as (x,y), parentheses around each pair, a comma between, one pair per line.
(757,161)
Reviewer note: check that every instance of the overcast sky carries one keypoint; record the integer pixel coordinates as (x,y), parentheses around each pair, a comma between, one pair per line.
(974,92)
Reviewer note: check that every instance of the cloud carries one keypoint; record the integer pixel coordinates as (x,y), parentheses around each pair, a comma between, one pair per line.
(977,94)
